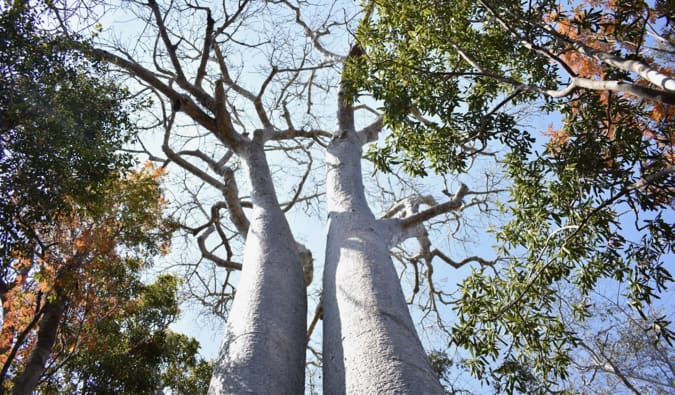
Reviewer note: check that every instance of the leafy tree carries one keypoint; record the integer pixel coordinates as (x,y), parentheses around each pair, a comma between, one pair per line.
(240,93)
(110,332)
(61,130)
(133,352)
(74,236)
(446,72)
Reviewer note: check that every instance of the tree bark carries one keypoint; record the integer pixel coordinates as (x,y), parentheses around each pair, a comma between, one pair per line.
(370,344)
(263,349)
(26,381)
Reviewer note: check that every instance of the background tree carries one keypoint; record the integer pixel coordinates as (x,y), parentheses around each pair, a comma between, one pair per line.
(132,351)
(74,236)
(85,289)
(241,93)
(61,131)
(592,205)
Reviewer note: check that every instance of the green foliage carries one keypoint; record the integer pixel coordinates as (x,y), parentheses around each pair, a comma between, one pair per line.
(94,265)
(76,225)
(134,352)
(414,63)
(592,204)
(61,125)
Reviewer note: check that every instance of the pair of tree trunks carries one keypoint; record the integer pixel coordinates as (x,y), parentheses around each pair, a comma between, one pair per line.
(369,340)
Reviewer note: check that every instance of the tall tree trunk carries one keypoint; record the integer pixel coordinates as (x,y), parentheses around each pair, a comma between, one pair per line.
(52,313)
(26,381)
(263,349)
(370,344)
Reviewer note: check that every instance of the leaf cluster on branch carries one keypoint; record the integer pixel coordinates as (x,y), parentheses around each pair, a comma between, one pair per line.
(589,203)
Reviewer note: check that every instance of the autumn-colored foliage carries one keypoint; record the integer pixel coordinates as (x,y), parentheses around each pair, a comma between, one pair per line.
(89,262)
(614,27)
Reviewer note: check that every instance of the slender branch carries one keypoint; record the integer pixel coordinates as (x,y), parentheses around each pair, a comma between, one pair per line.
(614,369)
(171,48)
(457,264)
(290,134)
(301,184)
(542,51)
(201,241)
(180,161)
(312,35)
(318,314)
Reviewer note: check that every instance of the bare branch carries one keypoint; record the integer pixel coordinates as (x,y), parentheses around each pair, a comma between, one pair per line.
(370,132)
(201,241)
(311,34)
(436,210)
(171,48)
(181,102)
(318,314)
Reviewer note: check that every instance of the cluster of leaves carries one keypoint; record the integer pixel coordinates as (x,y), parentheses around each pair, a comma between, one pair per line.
(415,64)
(133,352)
(113,336)
(566,227)
(591,205)
(61,126)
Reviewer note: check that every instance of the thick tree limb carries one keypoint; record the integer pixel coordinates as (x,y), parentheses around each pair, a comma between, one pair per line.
(434,211)
(184,102)
(371,132)
(224,127)
(206,47)
(231,195)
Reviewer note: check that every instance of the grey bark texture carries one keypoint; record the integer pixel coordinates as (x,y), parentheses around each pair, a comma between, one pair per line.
(263,349)
(370,344)
(26,381)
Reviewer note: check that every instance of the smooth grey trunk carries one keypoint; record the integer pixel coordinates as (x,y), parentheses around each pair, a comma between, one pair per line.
(26,381)
(370,344)
(263,348)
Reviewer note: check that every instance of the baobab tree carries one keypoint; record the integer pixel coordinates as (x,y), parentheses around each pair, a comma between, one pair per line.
(232,95)
(248,96)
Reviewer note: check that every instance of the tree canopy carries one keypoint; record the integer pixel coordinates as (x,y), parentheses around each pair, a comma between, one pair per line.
(78,228)
(110,332)
(61,125)
(592,204)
